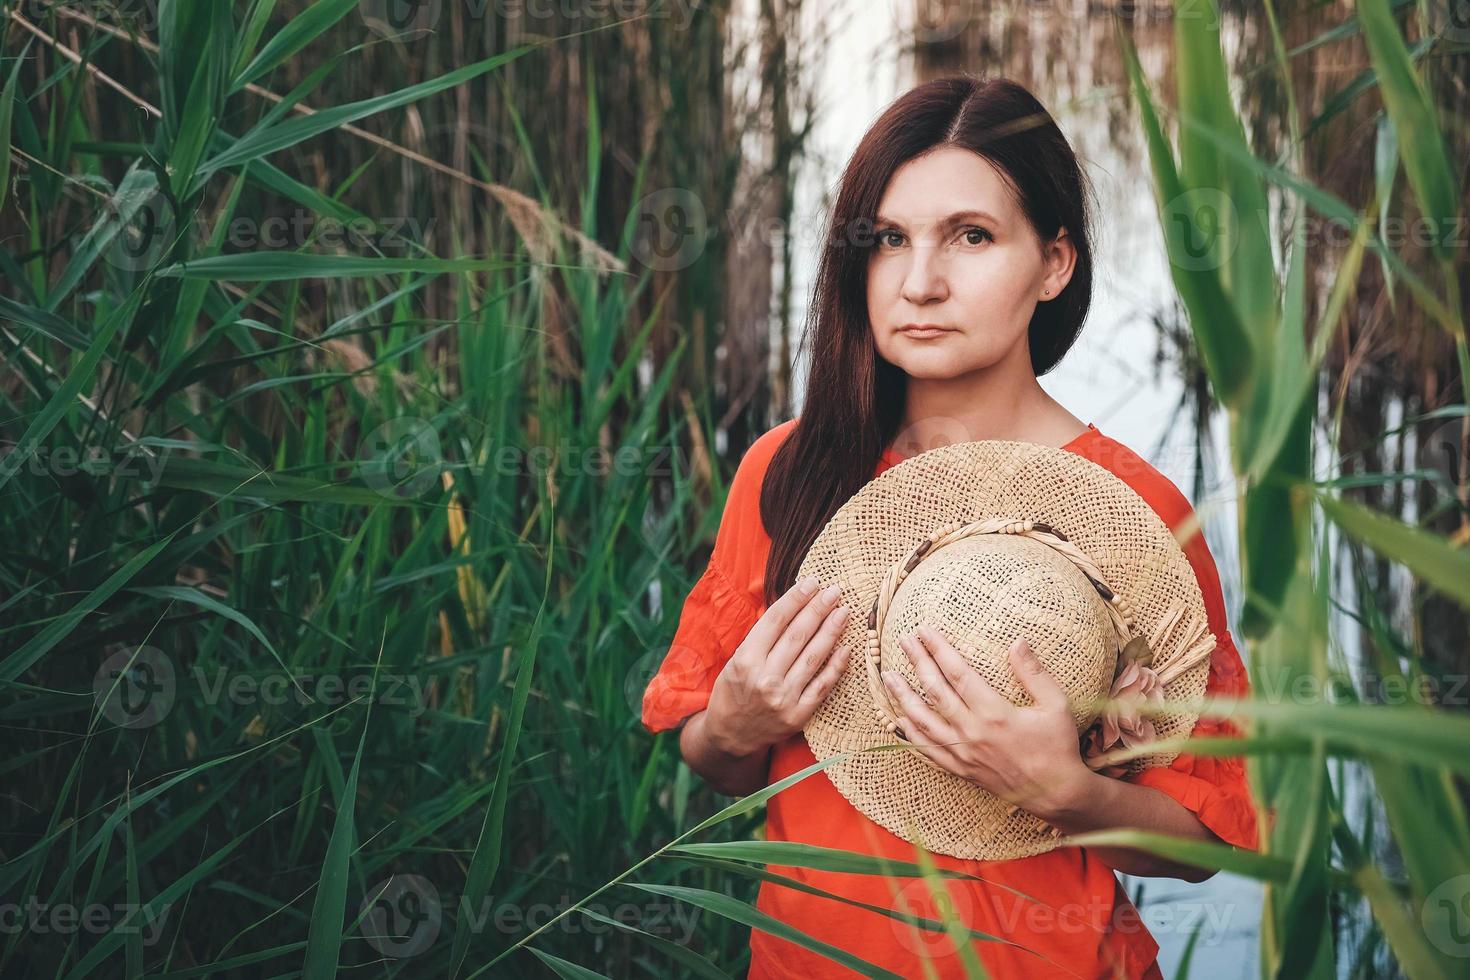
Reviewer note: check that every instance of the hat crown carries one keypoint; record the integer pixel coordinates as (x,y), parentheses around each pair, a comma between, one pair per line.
(984,592)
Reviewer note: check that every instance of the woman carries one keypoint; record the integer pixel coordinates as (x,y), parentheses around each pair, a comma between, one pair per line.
(960,269)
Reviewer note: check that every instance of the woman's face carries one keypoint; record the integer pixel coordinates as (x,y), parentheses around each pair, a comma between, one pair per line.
(953,249)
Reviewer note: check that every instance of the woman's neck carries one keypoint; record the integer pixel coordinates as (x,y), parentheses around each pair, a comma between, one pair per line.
(1002,401)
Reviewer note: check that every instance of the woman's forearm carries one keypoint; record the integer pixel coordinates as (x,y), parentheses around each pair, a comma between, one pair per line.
(1096,802)
(1100,802)
(728,771)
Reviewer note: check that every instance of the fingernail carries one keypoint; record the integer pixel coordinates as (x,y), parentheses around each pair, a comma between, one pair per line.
(831,592)
(808,584)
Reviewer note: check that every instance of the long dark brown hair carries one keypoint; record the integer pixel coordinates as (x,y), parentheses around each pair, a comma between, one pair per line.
(854,398)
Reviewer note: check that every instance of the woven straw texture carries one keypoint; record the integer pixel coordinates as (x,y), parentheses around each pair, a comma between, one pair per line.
(983,591)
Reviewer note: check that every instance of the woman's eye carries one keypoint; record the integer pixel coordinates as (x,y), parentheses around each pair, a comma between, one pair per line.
(972,236)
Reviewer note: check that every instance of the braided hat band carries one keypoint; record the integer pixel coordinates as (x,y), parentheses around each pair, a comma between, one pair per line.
(1013,540)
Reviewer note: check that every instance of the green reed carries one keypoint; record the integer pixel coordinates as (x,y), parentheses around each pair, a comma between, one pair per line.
(329,568)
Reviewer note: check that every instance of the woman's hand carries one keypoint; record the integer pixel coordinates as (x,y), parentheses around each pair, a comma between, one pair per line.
(1029,755)
(776,679)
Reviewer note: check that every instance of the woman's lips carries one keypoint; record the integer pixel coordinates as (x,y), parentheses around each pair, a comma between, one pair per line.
(923,333)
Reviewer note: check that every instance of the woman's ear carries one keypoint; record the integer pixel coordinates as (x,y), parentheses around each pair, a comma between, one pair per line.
(1059,257)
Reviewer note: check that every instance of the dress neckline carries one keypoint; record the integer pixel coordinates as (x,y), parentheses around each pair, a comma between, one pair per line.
(891,456)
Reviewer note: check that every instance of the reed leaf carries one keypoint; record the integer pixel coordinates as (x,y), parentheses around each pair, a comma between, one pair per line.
(1420,140)
(1432,559)
(746,914)
(8,93)
(1223,342)
(298,32)
(266,140)
(324,941)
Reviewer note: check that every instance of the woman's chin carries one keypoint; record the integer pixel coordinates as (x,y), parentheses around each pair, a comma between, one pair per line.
(939,365)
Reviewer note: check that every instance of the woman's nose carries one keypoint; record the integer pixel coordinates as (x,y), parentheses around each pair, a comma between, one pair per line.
(924,280)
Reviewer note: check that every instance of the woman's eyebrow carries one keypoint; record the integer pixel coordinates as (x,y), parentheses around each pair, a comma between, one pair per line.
(953,219)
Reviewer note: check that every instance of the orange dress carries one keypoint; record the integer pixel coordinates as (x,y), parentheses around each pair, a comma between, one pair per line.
(1077,915)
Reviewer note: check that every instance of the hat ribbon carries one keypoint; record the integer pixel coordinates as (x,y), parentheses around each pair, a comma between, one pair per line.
(1137,684)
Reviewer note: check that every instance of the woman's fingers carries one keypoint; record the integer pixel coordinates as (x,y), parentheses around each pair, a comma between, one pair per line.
(818,649)
(918,714)
(820,686)
(926,730)
(946,700)
(772,625)
(966,681)
(799,631)
(1042,687)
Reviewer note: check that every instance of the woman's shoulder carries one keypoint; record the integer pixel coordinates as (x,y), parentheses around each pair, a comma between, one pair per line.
(751,471)
(768,442)
(1173,507)
(1146,479)
(742,543)
(742,502)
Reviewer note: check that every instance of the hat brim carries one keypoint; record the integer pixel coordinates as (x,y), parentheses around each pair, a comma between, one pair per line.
(880,524)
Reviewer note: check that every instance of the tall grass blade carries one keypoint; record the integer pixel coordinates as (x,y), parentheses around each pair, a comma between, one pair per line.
(7,111)
(745,914)
(299,31)
(324,941)
(271,139)
(1431,558)
(1420,139)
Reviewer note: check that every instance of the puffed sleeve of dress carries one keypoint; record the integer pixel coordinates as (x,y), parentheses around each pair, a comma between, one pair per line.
(723,604)
(1213,788)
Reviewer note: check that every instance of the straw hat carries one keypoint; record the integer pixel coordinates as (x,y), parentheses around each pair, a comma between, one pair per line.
(989,542)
